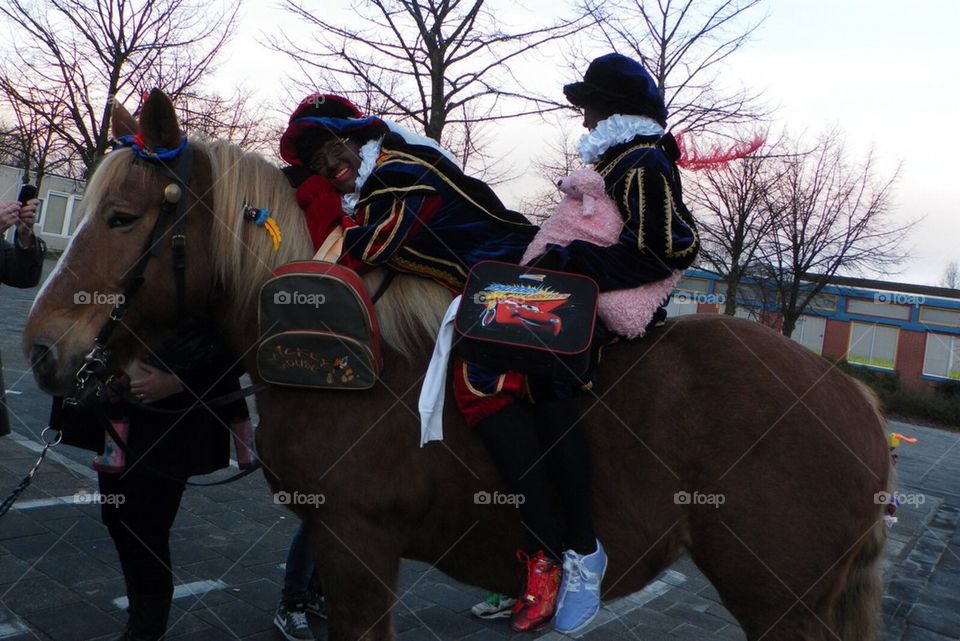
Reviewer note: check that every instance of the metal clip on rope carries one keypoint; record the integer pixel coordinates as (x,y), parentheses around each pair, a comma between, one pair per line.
(25,483)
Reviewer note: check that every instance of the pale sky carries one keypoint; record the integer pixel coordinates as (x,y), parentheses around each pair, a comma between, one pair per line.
(884,71)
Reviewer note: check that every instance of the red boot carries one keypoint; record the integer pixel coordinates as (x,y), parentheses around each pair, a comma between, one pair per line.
(535,607)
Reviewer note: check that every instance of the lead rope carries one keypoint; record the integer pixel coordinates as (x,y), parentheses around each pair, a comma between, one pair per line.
(25,483)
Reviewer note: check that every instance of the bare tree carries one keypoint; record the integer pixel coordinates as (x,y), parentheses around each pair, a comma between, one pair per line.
(830,216)
(951,275)
(444,65)
(731,206)
(728,189)
(97,51)
(558,159)
(684,44)
(238,118)
(32,144)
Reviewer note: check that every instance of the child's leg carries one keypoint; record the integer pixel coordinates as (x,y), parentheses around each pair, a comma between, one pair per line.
(564,439)
(511,439)
(584,561)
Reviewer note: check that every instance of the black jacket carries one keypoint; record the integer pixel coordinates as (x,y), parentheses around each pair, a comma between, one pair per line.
(21,267)
(18,268)
(174,445)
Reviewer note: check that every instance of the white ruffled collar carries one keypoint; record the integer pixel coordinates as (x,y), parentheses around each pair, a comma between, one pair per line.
(615,130)
(369,153)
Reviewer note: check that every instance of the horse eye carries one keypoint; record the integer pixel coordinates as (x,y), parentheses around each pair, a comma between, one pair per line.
(121,219)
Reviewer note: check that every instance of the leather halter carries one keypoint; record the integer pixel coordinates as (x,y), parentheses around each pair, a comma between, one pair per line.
(172,216)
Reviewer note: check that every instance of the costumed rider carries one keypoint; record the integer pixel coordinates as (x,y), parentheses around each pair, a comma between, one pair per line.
(324,206)
(409,208)
(628,146)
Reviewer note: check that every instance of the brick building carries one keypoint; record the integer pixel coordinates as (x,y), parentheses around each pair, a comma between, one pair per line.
(913,330)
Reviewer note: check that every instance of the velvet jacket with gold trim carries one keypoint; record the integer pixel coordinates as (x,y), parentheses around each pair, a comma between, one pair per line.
(659,234)
(419,213)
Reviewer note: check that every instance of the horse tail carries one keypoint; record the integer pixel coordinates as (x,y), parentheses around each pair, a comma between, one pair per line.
(856,611)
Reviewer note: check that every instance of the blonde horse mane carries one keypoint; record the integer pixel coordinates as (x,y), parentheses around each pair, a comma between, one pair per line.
(410,310)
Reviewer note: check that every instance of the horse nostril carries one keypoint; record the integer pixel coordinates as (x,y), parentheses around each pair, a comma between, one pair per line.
(38,353)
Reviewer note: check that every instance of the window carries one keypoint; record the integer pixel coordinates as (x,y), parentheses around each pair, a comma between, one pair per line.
(61,213)
(55,213)
(682,303)
(941,357)
(938,316)
(76,213)
(823,303)
(750,313)
(696,285)
(809,332)
(872,308)
(873,345)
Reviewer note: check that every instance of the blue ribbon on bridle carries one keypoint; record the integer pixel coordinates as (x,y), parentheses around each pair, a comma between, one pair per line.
(135,142)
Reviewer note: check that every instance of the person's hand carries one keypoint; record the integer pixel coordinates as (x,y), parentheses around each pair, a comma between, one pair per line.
(9,215)
(27,219)
(150,384)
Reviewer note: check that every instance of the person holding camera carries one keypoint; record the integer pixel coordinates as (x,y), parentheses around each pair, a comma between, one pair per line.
(20,266)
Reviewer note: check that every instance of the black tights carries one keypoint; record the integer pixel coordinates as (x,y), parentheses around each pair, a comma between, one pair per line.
(540,450)
(140,528)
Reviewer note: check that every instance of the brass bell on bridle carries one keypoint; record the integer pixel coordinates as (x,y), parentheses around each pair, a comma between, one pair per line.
(172,193)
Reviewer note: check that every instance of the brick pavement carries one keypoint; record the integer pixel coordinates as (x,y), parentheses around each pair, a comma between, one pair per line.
(60,579)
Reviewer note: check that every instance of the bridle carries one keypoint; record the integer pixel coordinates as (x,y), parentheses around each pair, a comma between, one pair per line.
(172,216)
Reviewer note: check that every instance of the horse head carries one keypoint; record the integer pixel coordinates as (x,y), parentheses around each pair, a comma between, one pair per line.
(121,228)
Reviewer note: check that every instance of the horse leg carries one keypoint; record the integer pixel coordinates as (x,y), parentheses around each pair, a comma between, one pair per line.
(764,595)
(358,563)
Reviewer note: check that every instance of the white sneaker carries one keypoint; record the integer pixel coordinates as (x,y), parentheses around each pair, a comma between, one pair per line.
(292,622)
(495,606)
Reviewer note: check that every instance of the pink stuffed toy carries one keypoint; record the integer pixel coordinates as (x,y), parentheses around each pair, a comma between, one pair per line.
(588,213)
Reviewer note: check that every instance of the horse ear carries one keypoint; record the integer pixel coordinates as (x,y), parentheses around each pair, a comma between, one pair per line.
(158,122)
(122,122)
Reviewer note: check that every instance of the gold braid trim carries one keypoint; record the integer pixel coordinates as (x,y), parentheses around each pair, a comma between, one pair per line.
(607,168)
(413,160)
(668,216)
(443,277)
(395,190)
(395,217)
(695,242)
(638,177)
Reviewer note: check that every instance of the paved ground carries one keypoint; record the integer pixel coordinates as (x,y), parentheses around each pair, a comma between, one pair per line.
(59,575)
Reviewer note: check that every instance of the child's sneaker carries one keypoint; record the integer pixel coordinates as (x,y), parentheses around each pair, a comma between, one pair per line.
(579,599)
(495,606)
(292,622)
(533,610)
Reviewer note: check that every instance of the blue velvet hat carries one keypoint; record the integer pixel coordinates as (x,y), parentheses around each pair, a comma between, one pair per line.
(620,84)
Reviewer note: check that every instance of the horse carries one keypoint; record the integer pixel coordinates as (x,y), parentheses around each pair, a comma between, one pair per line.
(714,436)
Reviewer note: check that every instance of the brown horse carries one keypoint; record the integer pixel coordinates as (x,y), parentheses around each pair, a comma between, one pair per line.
(714,436)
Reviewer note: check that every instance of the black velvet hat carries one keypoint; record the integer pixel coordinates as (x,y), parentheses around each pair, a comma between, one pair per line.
(617,83)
